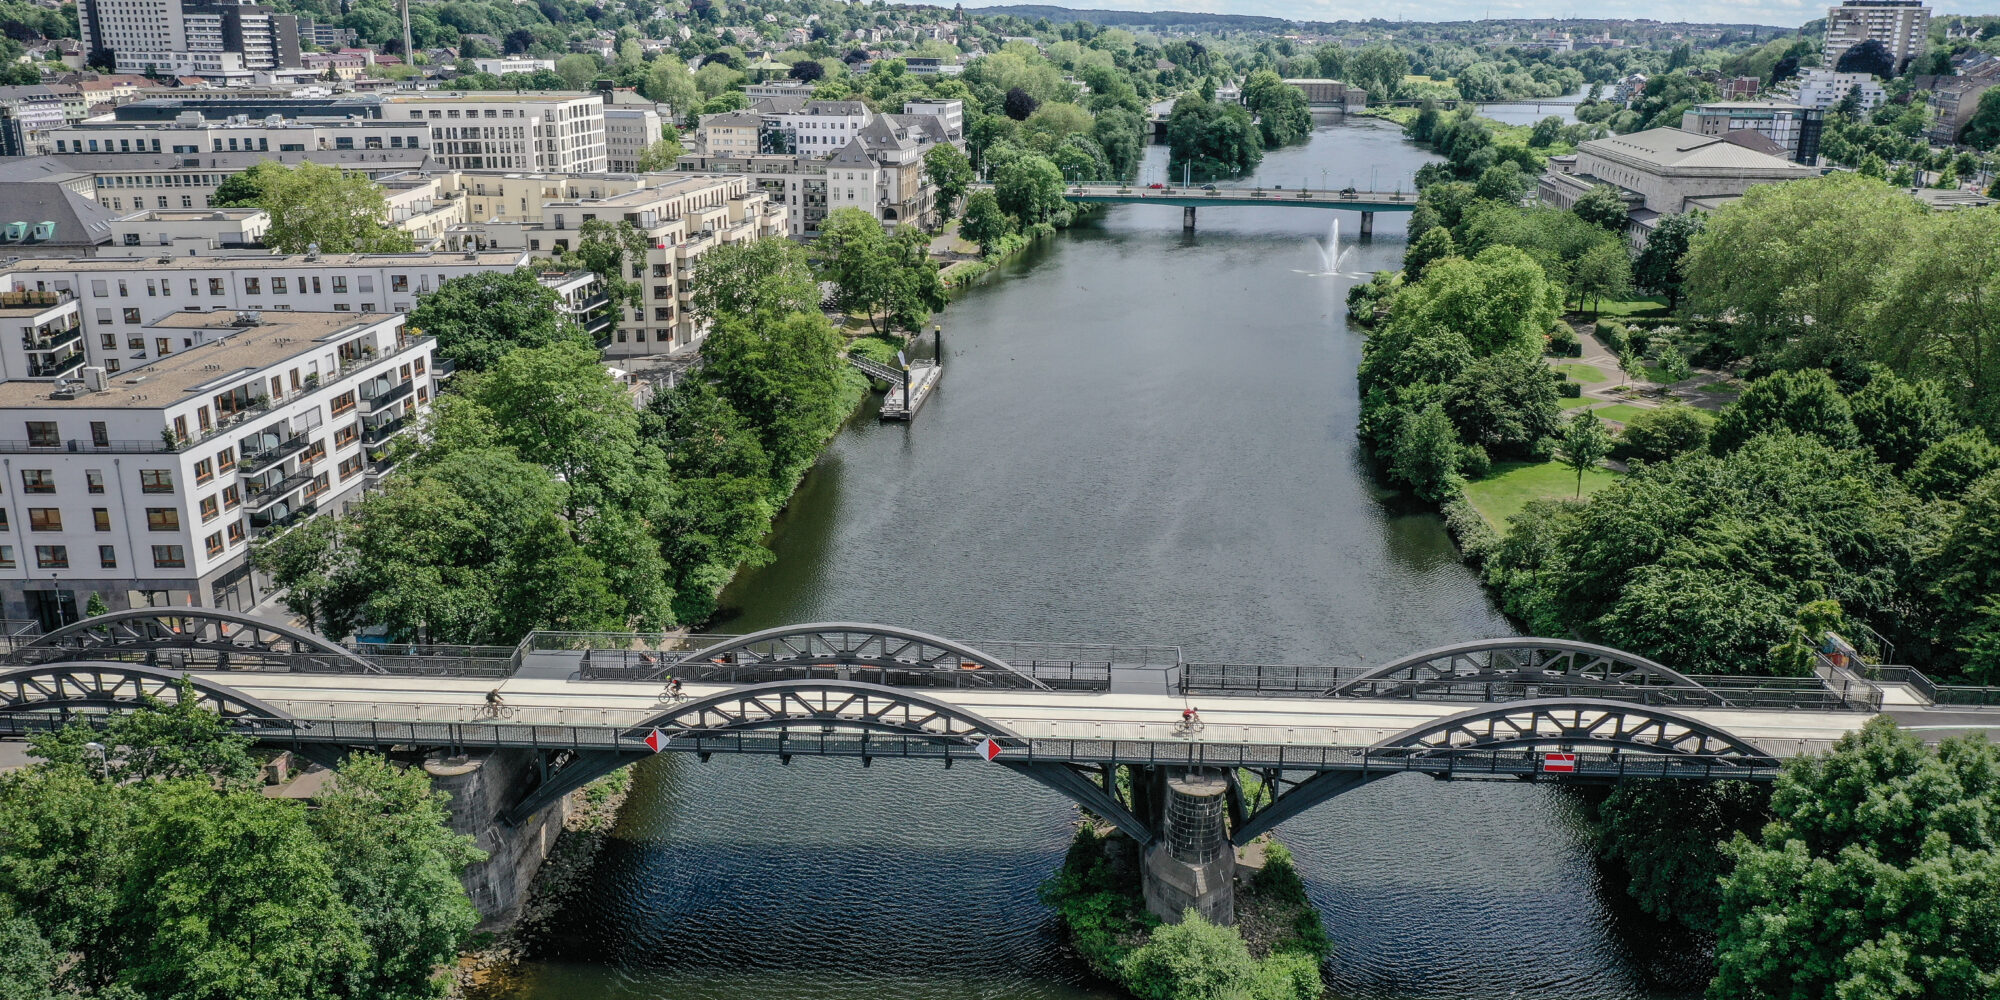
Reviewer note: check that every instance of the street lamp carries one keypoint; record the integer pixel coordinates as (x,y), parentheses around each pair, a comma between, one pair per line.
(103,765)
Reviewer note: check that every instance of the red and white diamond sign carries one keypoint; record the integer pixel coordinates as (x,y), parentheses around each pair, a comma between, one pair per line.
(1560,762)
(655,741)
(987,749)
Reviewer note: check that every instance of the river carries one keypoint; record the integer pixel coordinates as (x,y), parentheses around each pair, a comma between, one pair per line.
(1142,435)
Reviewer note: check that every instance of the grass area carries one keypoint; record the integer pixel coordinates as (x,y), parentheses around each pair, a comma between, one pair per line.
(1580,401)
(1648,306)
(882,349)
(1509,487)
(1580,372)
(1621,412)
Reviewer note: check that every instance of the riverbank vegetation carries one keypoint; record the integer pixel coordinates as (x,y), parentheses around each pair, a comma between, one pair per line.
(1097,896)
(159,869)
(540,496)
(1851,486)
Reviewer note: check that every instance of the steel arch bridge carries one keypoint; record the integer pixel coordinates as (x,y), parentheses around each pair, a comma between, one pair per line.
(1588,727)
(183,636)
(1521,667)
(850,650)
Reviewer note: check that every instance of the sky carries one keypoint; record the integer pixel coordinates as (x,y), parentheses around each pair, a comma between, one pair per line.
(1786,13)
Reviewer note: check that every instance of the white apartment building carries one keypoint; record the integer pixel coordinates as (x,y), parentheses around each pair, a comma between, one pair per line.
(186,232)
(796,181)
(549,132)
(219,39)
(1902,26)
(119,299)
(1824,88)
(1794,128)
(513,64)
(146,487)
(825,126)
(628,129)
(190,133)
(881,171)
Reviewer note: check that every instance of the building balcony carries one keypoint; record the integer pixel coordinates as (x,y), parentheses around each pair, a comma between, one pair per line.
(387,397)
(277,519)
(261,497)
(374,434)
(55,367)
(52,340)
(28,298)
(266,450)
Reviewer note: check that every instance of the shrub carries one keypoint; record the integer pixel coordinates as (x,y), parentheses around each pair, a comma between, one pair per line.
(1570,390)
(1563,341)
(1612,334)
(1474,536)
(1473,462)
(1659,435)
(1543,449)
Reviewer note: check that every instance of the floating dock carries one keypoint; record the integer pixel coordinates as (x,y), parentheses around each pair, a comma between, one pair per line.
(901,403)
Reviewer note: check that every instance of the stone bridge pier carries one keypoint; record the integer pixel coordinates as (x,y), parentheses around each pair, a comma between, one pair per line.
(483,786)
(1191,864)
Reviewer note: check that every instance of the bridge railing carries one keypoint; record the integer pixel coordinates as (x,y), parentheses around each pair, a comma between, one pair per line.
(1783,693)
(1937,694)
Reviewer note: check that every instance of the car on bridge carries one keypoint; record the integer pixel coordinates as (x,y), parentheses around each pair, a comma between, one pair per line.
(1155,187)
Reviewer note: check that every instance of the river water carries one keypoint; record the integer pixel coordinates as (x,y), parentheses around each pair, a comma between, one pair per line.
(1143,435)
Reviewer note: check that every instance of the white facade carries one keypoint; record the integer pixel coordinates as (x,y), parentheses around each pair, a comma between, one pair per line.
(1902,26)
(825,126)
(1824,88)
(559,132)
(187,232)
(628,129)
(513,64)
(227,40)
(146,487)
(193,134)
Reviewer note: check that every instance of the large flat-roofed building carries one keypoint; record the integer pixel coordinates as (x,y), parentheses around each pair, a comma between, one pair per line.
(1902,26)
(1330,93)
(551,132)
(193,134)
(1664,171)
(229,41)
(146,487)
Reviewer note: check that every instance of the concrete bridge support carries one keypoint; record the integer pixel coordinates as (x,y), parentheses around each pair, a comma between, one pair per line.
(482,787)
(1187,219)
(1192,863)
(1368,223)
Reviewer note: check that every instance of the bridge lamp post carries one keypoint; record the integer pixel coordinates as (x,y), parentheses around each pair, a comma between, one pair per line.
(103,763)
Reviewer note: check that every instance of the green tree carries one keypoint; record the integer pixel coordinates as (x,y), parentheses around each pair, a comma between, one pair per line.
(166,741)
(1604,269)
(1952,465)
(340,211)
(1191,960)
(1666,837)
(738,279)
(1282,113)
(1982,129)
(1659,267)
(1602,206)
(1630,364)
(1426,250)
(1503,182)
(1664,433)
(1806,403)
(1900,420)
(478,318)
(95,606)
(1585,442)
(1937,311)
(660,156)
(951,173)
(1505,403)
(1030,188)
(985,222)
(396,860)
(1212,140)
(1426,455)
(1672,365)
(1879,876)
(670,83)
(890,280)
(603,247)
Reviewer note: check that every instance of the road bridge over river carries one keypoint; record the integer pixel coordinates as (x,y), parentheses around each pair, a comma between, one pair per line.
(1275,740)
(1188,198)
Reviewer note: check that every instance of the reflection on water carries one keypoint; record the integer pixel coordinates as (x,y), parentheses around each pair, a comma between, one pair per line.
(1142,435)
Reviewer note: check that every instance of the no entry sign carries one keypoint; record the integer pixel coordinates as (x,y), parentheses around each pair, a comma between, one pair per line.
(1559,762)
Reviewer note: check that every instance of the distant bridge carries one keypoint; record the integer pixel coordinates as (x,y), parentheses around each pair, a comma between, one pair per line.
(1188,198)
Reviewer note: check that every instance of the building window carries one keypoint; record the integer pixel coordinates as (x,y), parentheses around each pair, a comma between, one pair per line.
(213,544)
(38,481)
(209,509)
(253,286)
(204,471)
(100,517)
(347,435)
(230,497)
(277,286)
(343,402)
(156,480)
(236,532)
(6,557)
(52,556)
(225,459)
(93,481)
(169,557)
(42,434)
(215,286)
(107,557)
(44,519)
(163,519)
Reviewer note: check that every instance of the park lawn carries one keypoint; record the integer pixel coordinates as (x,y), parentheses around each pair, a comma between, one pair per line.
(878,349)
(1578,371)
(1621,412)
(1580,401)
(1645,306)
(1509,487)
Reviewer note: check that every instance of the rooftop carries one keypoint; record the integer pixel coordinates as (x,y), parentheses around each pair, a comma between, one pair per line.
(274,262)
(202,369)
(460,96)
(1671,148)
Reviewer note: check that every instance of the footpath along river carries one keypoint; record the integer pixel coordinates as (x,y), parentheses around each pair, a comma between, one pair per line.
(1146,436)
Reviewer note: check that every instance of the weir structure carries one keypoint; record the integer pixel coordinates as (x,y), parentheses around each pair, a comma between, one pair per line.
(1096,724)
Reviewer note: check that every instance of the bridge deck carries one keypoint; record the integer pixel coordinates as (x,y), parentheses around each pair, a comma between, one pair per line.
(1181,197)
(1055,715)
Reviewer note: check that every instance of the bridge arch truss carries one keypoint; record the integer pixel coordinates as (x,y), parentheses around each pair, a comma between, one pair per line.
(1491,669)
(192,636)
(886,654)
(1599,732)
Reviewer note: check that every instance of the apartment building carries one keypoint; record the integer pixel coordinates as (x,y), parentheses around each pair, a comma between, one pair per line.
(146,487)
(35,113)
(881,171)
(191,133)
(214,39)
(1823,89)
(1793,128)
(796,181)
(628,130)
(120,298)
(550,132)
(187,232)
(1902,26)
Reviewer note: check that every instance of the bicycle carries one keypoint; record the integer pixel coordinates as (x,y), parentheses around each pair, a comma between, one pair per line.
(672,697)
(486,712)
(1188,727)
